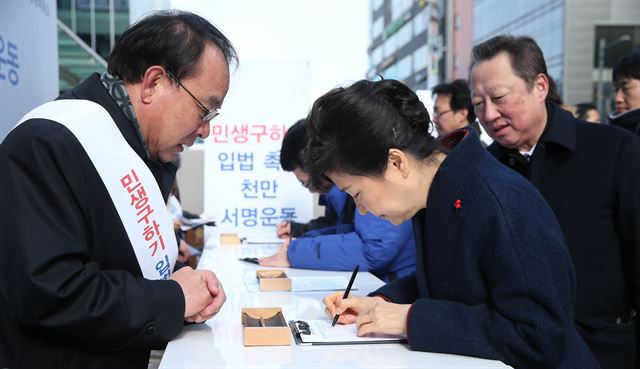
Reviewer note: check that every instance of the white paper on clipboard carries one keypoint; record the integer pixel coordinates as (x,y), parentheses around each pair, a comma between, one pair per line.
(320,332)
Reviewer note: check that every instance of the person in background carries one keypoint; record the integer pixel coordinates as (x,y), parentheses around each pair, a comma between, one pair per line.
(91,281)
(493,275)
(188,226)
(588,112)
(626,78)
(384,249)
(334,201)
(176,211)
(553,97)
(588,174)
(570,108)
(452,108)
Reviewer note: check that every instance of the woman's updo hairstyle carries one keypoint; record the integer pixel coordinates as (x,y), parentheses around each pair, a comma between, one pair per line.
(352,129)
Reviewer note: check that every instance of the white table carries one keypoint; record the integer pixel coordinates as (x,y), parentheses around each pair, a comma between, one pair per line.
(218,342)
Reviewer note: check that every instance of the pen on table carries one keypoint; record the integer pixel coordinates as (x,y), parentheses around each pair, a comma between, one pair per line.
(250,260)
(346,292)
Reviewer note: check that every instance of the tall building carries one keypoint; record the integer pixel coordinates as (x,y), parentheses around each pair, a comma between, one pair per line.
(458,38)
(406,41)
(570,34)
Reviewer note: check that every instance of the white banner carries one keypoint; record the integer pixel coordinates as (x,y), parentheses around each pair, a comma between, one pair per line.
(246,190)
(131,185)
(28,58)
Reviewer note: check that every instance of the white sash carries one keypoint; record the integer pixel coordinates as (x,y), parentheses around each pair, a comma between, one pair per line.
(133,189)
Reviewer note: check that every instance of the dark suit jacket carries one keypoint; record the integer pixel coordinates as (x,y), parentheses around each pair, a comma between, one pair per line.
(494,278)
(71,291)
(590,176)
(628,120)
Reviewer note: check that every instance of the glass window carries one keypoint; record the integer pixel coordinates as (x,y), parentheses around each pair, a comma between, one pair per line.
(420,57)
(375,4)
(403,35)
(377,27)
(398,7)
(619,41)
(391,72)
(391,45)
(404,67)
(376,55)
(420,22)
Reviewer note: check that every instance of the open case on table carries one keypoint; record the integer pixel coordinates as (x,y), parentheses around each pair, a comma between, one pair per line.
(273,280)
(265,327)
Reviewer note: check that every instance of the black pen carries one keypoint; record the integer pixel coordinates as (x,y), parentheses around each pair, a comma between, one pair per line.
(346,292)
(288,222)
(250,260)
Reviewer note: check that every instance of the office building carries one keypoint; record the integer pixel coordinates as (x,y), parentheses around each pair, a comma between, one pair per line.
(406,42)
(570,33)
(458,38)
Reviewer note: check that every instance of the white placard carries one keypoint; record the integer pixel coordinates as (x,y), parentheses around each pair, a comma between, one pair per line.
(246,190)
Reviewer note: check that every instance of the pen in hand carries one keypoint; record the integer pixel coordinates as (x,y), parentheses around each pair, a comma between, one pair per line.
(281,229)
(288,221)
(346,292)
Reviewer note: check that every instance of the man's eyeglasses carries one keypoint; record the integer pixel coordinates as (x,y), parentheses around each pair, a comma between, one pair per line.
(209,114)
(441,113)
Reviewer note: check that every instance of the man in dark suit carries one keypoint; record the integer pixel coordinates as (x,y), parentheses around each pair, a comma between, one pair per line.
(626,77)
(452,108)
(588,173)
(87,245)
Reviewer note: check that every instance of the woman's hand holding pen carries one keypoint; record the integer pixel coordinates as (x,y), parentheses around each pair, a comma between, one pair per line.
(370,314)
(348,315)
(280,258)
(283,229)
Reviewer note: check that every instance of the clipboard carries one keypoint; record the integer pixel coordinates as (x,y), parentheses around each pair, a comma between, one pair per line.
(320,332)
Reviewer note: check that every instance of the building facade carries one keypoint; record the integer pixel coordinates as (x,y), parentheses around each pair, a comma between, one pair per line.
(570,34)
(458,38)
(406,41)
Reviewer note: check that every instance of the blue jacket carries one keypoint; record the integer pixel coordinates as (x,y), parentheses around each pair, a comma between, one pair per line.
(337,203)
(330,201)
(376,245)
(494,277)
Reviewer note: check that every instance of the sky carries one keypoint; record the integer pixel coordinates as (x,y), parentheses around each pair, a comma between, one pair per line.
(330,35)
